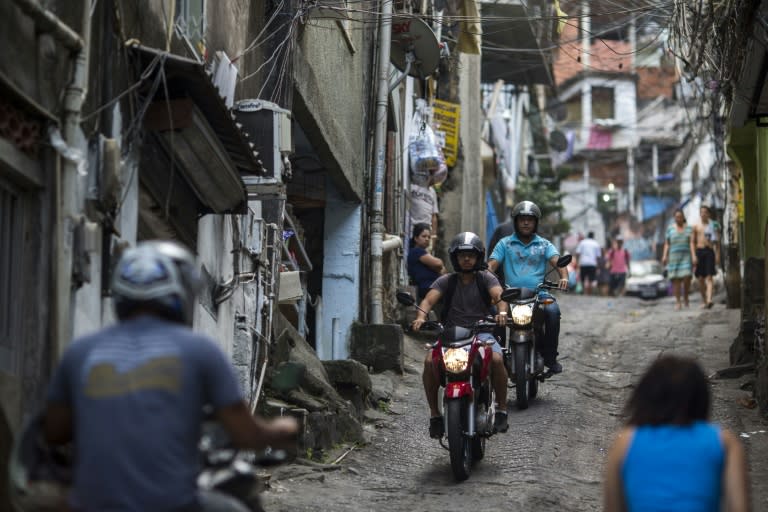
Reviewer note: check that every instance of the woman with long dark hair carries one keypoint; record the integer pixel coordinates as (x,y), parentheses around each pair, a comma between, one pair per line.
(669,456)
(422,266)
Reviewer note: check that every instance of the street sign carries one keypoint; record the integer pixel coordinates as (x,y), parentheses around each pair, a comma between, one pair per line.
(446,124)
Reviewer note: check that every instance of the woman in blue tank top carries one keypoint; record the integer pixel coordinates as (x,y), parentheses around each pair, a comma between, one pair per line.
(669,457)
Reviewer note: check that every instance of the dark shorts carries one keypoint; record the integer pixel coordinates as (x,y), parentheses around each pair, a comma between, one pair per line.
(618,281)
(588,273)
(705,265)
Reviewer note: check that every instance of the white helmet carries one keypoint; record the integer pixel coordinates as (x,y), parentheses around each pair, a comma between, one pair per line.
(158,275)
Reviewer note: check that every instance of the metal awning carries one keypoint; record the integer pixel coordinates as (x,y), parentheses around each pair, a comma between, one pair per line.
(213,123)
(514,46)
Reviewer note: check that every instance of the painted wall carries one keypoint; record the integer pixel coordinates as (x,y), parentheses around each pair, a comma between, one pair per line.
(625,110)
(332,79)
(341,274)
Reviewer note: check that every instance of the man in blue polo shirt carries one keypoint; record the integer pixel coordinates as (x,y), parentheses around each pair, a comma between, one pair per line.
(526,258)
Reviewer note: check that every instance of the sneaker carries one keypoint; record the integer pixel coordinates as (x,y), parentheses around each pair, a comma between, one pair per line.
(555,368)
(500,422)
(436,427)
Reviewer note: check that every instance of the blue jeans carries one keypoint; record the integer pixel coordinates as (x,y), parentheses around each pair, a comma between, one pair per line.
(487,336)
(550,318)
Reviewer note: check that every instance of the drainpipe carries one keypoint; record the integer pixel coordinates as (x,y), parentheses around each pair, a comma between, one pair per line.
(67,180)
(380,147)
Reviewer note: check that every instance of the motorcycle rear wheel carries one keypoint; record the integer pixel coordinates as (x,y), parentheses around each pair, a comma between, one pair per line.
(533,388)
(459,444)
(521,376)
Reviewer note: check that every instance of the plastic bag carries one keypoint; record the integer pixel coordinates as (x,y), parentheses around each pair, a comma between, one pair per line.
(423,152)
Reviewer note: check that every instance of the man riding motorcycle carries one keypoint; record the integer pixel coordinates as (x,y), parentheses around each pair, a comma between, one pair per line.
(130,397)
(526,258)
(470,290)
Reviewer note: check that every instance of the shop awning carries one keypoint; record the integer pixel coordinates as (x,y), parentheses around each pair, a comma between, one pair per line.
(196,127)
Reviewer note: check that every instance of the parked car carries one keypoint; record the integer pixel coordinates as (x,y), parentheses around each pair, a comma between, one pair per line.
(646,279)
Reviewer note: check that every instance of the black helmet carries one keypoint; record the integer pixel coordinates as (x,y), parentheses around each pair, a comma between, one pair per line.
(467,241)
(528,208)
(160,275)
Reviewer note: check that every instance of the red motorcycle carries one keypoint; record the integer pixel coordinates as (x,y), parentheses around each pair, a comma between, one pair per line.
(463,365)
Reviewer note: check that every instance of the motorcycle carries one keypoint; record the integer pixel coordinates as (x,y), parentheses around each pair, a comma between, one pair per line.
(525,365)
(230,472)
(463,363)
(40,474)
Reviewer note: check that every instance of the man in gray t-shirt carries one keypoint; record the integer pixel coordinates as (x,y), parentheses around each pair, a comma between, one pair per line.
(131,397)
(468,304)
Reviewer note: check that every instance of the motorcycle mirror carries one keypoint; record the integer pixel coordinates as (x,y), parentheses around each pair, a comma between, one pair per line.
(563,261)
(405,298)
(288,376)
(510,294)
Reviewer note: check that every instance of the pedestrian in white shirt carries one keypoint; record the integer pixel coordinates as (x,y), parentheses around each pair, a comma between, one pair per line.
(587,254)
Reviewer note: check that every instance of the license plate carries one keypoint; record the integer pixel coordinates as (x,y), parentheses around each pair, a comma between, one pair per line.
(647,293)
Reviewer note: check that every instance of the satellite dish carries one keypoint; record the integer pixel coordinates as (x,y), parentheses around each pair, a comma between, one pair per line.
(558,141)
(413,35)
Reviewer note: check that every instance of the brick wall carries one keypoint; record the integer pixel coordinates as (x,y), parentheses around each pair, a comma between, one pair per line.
(603,56)
(655,82)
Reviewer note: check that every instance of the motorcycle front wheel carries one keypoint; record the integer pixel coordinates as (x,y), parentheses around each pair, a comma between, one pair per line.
(521,355)
(483,403)
(459,444)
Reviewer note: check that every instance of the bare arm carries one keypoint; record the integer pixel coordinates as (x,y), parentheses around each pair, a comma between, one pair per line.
(502,307)
(694,260)
(251,432)
(735,475)
(57,424)
(563,284)
(433,263)
(493,265)
(427,303)
(665,253)
(613,493)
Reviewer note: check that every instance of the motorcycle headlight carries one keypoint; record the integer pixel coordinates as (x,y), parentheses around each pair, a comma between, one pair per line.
(456,360)
(522,314)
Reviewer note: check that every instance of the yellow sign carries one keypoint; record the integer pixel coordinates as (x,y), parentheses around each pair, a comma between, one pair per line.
(446,125)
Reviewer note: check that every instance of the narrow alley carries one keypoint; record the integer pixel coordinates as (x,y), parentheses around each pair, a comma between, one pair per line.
(552,456)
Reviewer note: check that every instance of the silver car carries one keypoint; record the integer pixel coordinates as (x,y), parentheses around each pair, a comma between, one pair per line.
(646,279)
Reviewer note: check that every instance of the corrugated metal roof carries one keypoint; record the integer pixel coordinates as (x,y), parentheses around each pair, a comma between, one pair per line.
(188,78)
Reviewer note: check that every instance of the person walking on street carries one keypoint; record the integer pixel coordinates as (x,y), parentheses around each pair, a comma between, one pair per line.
(527,258)
(617,261)
(587,254)
(422,266)
(678,256)
(470,293)
(669,456)
(131,396)
(707,257)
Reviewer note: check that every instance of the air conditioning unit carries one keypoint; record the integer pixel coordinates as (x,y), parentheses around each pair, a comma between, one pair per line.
(269,129)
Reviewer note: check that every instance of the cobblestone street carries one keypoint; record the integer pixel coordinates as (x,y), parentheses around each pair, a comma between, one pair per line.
(552,456)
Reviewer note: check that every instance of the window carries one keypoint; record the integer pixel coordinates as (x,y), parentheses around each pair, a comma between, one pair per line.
(573,108)
(10,255)
(602,103)
(190,19)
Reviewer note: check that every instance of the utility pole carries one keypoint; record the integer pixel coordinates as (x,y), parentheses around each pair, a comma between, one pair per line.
(379,152)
